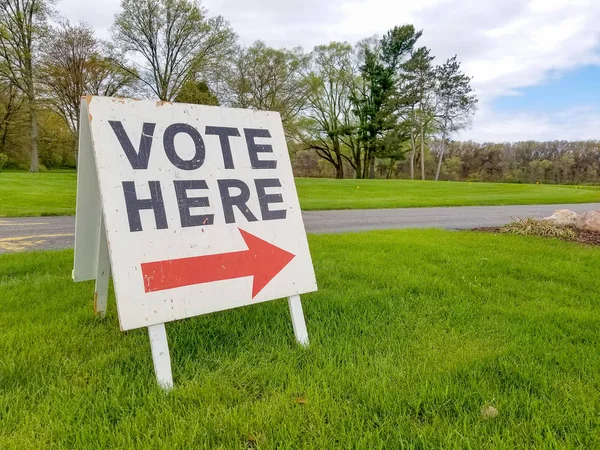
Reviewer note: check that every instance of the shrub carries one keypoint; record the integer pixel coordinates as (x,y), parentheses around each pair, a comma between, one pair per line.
(538,227)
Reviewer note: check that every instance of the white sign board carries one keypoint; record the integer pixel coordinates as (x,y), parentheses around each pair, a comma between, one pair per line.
(199,206)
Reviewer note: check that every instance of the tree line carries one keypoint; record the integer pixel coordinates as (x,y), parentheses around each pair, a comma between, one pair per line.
(350,105)
(552,162)
(379,108)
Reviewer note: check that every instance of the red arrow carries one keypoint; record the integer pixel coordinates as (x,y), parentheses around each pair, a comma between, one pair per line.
(262,261)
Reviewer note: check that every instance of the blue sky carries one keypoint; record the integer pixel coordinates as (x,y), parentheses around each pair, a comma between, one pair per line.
(578,88)
(535,63)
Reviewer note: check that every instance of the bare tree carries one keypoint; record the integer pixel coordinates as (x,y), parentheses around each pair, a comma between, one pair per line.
(66,55)
(22,23)
(73,66)
(175,38)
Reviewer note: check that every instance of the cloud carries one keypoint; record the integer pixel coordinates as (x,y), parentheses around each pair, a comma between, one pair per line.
(280,23)
(505,45)
(578,123)
(100,14)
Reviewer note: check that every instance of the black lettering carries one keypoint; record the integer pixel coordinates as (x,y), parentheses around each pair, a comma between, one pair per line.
(239,200)
(138,160)
(254,149)
(224,133)
(264,199)
(185,203)
(169,144)
(134,205)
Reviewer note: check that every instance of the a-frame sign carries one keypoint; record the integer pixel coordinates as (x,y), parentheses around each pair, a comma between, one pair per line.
(193,209)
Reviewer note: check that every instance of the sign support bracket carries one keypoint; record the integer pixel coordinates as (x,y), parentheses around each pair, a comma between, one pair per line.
(160,355)
(298,322)
(102,272)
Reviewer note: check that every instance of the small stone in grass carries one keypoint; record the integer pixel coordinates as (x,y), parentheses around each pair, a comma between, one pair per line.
(488,412)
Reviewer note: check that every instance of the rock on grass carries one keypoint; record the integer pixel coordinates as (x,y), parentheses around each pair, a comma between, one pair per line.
(488,412)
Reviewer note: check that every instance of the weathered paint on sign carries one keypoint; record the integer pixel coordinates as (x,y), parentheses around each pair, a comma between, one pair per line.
(199,205)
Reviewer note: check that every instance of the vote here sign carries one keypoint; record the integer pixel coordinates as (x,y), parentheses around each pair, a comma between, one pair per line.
(199,206)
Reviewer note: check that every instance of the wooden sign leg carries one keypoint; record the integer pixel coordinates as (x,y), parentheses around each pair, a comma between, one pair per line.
(102,273)
(298,320)
(160,355)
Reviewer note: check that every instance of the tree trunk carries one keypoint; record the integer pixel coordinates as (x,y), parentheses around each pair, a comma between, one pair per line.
(3,139)
(34,165)
(6,120)
(367,160)
(422,153)
(439,166)
(4,133)
(339,166)
(339,171)
(412,155)
(390,168)
(358,174)
(373,139)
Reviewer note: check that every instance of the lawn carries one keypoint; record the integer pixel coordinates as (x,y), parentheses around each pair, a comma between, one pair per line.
(412,333)
(365,194)
(53,193)
(37,194)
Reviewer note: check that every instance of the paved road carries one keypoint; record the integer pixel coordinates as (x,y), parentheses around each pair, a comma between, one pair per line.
(43,233)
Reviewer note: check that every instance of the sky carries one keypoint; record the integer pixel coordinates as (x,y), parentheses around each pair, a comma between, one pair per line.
(535,64)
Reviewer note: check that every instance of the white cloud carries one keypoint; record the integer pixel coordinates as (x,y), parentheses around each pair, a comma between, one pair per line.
(98,13)
(505,45)
(579,123)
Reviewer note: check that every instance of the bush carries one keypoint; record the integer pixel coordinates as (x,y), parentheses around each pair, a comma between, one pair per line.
(3,161)
(537,227)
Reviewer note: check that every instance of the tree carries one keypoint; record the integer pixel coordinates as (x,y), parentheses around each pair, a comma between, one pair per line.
(395,146)
(265,78)
(11,101)
(22,24)
(196,92)
(68,50)
(329,104)
(380,75)
(175,38)
(73,66)
(108,75)
(455,103)
(419,79)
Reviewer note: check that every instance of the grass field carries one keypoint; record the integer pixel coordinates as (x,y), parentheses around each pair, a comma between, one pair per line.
(51,193)
(358,194)
(412,333)
(37,194)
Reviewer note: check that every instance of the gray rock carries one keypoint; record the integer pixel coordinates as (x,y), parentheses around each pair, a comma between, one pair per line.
(589,221)
(562,217)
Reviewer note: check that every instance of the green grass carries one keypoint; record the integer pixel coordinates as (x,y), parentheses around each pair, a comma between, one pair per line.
(412,332)
(318,194)
(53,193)
(37,194)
